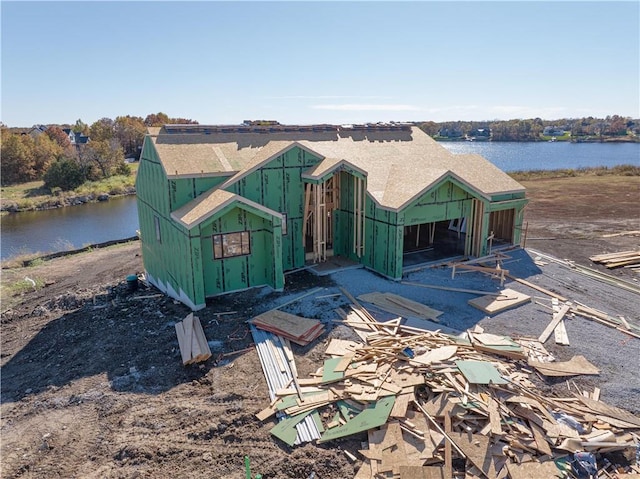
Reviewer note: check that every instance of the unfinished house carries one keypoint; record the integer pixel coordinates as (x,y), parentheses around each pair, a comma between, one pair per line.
(225,208)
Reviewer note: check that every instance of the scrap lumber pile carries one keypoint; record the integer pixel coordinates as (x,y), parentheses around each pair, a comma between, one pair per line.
(194,347)
(439,406)
(626,259)
(294,328)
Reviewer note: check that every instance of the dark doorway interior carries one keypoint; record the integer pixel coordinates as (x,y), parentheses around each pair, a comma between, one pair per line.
(433,241)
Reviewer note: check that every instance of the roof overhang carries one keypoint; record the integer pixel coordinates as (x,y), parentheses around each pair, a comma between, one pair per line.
(216,203)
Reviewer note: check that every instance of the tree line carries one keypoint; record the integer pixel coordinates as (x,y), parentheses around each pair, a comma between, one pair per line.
(50,155)
(532,129)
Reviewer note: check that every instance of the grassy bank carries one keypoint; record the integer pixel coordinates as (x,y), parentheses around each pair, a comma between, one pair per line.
(34,195)
(621,170)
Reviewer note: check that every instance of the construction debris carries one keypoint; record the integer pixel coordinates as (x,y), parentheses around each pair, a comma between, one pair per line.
(194,347)
(628,259)
(298,330)
(430,402)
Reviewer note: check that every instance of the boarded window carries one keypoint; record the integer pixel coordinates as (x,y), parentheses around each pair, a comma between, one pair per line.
(231,244)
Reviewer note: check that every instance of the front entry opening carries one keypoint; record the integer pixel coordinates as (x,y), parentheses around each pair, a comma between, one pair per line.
(433,241)
(320,202)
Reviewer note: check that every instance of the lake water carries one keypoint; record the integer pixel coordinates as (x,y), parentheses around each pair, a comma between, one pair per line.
(78,226)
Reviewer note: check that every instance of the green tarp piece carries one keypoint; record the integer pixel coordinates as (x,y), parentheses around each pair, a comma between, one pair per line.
(374,416)
(480,372)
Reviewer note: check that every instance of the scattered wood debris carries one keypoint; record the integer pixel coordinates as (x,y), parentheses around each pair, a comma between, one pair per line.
(431,401)
(194,347)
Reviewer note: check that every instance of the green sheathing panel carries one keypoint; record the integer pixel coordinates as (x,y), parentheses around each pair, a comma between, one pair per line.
(447,200)
(383,240)
(183,190)
(161,245)
(263,266)
(278,185)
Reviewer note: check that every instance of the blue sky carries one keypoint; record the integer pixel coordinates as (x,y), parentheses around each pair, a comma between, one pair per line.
(319,62)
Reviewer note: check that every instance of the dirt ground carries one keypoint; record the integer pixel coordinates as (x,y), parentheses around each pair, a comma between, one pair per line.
(93,385)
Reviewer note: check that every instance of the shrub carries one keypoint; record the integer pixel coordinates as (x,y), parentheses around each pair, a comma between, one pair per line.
(65,174)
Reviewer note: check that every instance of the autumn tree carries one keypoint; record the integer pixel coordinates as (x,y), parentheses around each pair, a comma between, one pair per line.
(45,152)
(130,132)
(160,119)
(157,119)
(18,163)
(103,129)
(81,127)
(59,136)
(101,159)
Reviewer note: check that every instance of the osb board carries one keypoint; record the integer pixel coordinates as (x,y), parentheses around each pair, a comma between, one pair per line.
(575,366)
(421,472)
(341,347)
(528,470)
(490,304)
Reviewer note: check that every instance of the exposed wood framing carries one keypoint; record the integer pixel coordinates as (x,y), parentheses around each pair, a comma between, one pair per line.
(358,216)
(473,243)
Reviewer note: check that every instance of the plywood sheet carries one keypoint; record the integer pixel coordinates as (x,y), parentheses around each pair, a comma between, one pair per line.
(490,304)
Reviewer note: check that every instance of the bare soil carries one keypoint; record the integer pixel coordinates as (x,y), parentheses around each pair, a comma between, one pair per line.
(93,384)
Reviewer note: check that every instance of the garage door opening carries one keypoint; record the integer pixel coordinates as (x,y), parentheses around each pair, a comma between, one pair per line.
(433,241)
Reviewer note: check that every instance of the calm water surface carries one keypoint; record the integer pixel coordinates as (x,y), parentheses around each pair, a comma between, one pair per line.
(68,228)
(78,226)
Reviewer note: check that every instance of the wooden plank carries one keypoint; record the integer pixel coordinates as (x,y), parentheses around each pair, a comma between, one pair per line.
(557,317)
(188,335)
(560,334)
(446,288)
(201,339)
(537,288)
(448,470)
(185,350)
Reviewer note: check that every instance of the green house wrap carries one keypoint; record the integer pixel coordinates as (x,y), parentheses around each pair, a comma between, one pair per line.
(230,207)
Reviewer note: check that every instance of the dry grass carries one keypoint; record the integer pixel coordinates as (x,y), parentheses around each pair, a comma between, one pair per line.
(621,170)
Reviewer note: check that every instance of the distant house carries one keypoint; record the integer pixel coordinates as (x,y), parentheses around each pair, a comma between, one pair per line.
(231,207)
(450,133)
(76,139)
(479,134)
(553,131)
(36,130)
(71,134)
